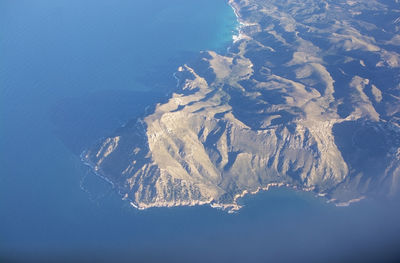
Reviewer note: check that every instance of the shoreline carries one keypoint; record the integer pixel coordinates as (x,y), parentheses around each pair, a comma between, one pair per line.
(149,109)
(229,207)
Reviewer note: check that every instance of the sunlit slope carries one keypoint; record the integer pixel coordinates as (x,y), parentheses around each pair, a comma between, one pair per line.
(307,97)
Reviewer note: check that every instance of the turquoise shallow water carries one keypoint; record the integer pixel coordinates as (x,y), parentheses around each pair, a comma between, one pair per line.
(72,72)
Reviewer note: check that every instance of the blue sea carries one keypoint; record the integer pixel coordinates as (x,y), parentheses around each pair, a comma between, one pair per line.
(71,72)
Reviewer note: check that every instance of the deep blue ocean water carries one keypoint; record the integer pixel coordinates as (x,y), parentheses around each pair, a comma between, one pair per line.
(73,71)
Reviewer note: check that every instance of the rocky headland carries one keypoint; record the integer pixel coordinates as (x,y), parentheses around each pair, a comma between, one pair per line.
(307,97)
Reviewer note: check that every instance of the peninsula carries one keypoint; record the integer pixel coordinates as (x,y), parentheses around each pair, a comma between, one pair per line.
(307,97)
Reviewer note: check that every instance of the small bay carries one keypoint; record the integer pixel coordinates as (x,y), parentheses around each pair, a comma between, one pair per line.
(72,72)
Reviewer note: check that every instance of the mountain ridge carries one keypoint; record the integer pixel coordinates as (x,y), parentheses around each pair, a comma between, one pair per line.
(276,110)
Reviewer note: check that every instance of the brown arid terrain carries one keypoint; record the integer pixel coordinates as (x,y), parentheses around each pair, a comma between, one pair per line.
(306,97)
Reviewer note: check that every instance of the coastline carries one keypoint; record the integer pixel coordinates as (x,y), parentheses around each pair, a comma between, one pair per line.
(142,129)
(229,206)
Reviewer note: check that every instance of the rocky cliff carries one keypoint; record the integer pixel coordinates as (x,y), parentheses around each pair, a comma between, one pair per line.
(307,97)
